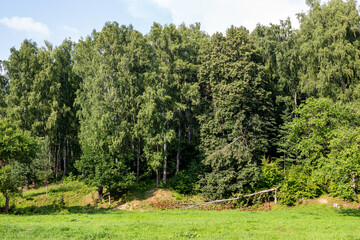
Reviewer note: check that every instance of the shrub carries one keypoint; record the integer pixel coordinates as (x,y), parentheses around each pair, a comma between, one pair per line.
(186,181)
(298,184)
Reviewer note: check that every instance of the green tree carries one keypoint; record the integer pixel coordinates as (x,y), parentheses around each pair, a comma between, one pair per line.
(41,96)
(64,141)
(16,148)
(279,49)
(237,122)
(187,88)
(323,149)
(21,69)
(111,64)
(170,94)
(343,163)
(329,48)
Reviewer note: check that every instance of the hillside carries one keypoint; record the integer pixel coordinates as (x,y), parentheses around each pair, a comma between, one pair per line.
(76,197)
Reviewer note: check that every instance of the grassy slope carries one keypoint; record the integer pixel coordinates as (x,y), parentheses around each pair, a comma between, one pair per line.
(75,196)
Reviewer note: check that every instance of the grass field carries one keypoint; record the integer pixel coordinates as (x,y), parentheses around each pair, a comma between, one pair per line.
(303,222)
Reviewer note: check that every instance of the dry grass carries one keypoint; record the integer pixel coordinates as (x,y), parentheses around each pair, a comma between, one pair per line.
(154,196)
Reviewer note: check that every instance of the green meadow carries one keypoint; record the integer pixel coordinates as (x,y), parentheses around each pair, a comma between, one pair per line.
(302,222)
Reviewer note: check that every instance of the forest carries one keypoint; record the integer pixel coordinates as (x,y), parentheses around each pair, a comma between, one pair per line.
(218,115)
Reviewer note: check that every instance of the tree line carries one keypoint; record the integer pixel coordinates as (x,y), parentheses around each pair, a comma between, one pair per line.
(221,115)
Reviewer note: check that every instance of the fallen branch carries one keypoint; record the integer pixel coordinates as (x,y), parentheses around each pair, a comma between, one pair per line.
(190,205)
(263,191)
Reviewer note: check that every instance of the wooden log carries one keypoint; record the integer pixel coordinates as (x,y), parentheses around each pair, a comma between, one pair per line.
(264,191)
(189,205)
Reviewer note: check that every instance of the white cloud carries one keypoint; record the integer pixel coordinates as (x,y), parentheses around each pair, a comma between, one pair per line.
(218,15)
(146,10)
(136,9)
(30,26)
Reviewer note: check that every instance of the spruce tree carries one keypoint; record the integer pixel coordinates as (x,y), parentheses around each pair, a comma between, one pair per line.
(237,122)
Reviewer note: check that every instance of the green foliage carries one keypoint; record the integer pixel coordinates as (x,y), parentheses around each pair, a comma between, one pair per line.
(309,133)
(187,180)
(298,185)
(271,173)
(237,121)
(111,63)
(170,94)
(329,48)
(16,152)
(15,145)
(343,167)
(232,171)
(40,99)
(279,46)
(323,141)
(8,181)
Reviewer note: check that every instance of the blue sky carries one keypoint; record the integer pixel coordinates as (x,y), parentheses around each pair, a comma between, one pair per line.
(54,21)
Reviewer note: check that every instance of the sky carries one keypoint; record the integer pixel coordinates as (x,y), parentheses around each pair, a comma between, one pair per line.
(54,20)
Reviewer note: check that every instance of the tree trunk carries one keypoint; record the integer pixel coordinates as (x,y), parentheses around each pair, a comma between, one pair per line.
(99,192)
(7,199)
(284,168)
(353,180)
(295,98)
(165,162)
(190,127)
(138,164)
(26,182)
(47,185)
(58,162)
(64,152)
(157,178)
(109,199)
(133,163)
(178,151)
(46,175)
(33,181)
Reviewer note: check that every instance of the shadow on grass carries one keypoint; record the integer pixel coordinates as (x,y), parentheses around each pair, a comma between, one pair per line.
(141,191)
(55,209)
(52,190)
(350,212)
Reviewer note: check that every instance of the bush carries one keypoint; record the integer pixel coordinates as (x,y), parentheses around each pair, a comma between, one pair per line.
(342,189)
(186,181)
(271,174)
(298,184)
